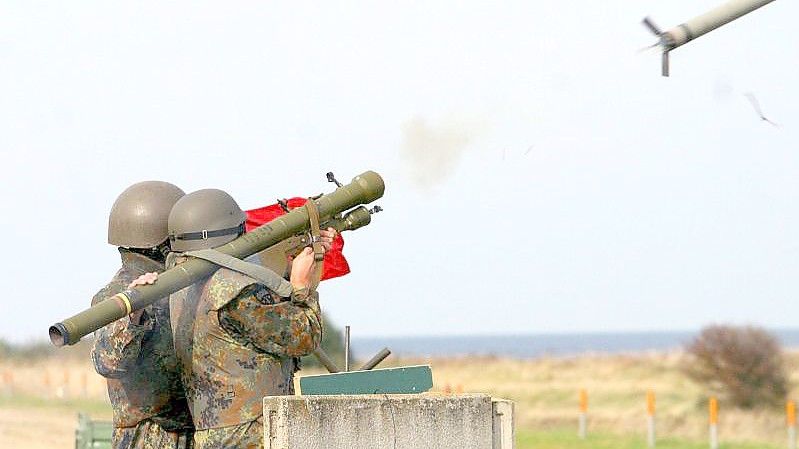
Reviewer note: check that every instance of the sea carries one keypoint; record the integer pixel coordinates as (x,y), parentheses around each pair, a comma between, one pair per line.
(538,345)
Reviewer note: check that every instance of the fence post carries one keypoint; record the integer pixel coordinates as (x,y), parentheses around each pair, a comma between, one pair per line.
(650,418)
(790,418)
(581,431)
(713,410)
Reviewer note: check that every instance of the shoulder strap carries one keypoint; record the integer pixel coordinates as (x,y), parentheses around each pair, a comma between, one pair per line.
(316,244)
(261,274)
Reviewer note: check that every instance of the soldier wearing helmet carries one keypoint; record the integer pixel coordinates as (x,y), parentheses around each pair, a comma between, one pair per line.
(136,354)
(236,340)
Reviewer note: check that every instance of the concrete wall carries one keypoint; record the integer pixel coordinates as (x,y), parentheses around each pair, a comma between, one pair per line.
(419,421)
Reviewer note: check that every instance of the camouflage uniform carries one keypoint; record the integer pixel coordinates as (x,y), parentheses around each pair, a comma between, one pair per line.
(237,342)
(149,403)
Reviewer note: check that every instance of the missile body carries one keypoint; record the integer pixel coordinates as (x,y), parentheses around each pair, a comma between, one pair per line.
(700,25)
(709,21)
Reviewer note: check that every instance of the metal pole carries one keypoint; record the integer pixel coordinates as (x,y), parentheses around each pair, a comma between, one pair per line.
(346,349)
(374,361)
(325,360)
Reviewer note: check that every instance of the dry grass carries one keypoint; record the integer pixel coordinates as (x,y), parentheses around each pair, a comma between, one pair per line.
(39,400)
(546,394)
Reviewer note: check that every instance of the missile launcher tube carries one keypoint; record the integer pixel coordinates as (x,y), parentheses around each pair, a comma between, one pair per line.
(363,189)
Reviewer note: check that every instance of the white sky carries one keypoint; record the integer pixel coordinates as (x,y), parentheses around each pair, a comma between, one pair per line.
(592,194)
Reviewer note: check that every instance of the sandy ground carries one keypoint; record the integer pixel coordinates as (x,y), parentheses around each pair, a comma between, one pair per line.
(37,428)
(40,402)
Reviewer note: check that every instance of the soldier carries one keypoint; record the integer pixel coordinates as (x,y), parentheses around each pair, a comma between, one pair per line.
(237,340)
(136,354)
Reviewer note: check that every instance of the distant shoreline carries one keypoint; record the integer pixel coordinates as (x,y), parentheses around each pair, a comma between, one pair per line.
(540,345)
(527,346)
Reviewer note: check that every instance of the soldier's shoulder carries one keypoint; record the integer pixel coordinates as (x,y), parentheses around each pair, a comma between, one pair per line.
(117,284)
(227,284)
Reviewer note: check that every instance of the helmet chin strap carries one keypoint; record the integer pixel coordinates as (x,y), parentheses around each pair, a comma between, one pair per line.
(164,249)
(156,253)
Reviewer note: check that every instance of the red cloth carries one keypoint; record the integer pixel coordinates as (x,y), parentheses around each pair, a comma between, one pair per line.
(335,264)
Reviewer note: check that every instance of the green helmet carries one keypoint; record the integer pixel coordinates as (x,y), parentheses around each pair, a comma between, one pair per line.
(205,219)
(138,218)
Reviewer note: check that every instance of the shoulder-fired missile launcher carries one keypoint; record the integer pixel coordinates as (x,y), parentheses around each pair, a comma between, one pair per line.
(341,209)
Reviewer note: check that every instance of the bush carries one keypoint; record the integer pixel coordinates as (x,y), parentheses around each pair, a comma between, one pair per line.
(332,343)
(5,348)
(740,364)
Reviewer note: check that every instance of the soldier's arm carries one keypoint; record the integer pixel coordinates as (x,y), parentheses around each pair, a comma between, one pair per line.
(117,346)
(289,328)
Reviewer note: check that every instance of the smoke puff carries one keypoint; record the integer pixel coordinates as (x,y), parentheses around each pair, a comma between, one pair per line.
(431,152)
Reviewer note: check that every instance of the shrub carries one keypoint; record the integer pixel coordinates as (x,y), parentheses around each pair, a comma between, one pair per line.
(740,364)
(332,343)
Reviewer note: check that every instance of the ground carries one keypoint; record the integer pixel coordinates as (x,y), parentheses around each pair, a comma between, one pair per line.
(40,400)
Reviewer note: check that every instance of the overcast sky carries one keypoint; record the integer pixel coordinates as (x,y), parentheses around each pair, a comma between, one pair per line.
(541,176)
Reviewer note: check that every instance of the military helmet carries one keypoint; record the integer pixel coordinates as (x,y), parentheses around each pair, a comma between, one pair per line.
(205,219)
(138,218)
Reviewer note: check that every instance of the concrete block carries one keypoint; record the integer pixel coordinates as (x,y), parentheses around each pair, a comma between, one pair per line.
(414,421)
(504,425)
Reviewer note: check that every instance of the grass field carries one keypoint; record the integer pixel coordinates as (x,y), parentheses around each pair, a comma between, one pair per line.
(567,439)
(39,401)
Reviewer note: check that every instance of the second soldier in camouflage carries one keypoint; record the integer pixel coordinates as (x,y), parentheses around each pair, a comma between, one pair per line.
(136,354)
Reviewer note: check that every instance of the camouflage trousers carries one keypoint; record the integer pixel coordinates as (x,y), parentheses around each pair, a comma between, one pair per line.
(149,435)
(243,436)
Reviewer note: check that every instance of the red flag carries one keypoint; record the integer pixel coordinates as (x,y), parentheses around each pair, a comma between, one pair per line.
(335,264)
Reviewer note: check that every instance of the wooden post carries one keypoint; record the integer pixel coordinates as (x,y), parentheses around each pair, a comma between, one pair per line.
(713,411)
(650,418)
(583,417)
(790,418)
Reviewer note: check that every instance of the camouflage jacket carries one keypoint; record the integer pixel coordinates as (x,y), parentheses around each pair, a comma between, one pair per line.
(236,342)
(138,359)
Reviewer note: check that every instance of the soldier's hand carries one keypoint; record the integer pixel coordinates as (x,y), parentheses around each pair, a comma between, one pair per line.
(302,268)
(326,238)
(145,279)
